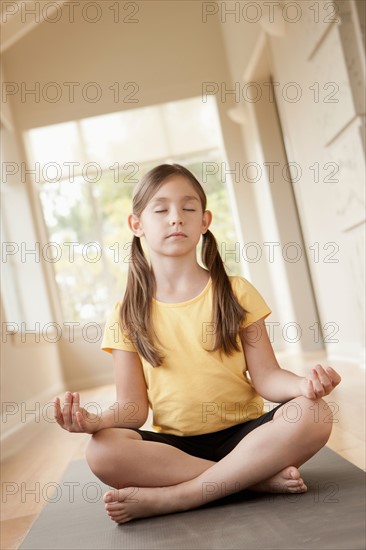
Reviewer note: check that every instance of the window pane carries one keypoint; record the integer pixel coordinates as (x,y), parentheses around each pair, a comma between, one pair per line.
(136,135)
(87,217)
(72,228)
(198,127)
(217,201)
(57,144)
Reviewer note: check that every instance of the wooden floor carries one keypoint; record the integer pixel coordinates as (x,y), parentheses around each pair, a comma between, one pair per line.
(27,478)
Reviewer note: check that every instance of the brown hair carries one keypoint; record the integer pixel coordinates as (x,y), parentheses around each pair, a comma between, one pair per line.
(135,312)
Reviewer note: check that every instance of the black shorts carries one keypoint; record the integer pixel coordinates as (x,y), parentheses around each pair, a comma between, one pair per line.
(212,446)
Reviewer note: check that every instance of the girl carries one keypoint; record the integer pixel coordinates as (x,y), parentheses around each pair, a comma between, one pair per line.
(191,343)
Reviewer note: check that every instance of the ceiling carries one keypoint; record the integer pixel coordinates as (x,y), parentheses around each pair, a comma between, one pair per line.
(19,17)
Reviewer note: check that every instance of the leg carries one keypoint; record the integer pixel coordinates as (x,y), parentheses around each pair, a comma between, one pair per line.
(289,440)
(119,457)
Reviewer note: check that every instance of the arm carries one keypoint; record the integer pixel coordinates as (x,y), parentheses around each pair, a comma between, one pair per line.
(277,384)
(130,409)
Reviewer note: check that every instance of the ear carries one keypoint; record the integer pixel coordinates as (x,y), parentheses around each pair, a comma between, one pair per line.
(206,221)
(135,225)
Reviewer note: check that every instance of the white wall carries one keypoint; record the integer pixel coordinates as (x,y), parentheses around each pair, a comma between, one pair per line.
(31,370)
(326,132)
(318,131)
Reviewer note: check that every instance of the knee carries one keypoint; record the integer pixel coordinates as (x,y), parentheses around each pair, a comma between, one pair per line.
(98,452)
(315,418)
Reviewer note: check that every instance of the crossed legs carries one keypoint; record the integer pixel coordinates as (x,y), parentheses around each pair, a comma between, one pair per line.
(153,478)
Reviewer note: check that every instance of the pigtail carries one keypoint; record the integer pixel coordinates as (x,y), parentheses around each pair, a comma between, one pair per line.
(227,312)
(137,305)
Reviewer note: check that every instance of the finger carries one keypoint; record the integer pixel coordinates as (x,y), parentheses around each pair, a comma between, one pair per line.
(78,409)
(75,403)
(318,387)
(324,379)
(80,421)
(57,412)
(334,376)
(310,389)
(67,412)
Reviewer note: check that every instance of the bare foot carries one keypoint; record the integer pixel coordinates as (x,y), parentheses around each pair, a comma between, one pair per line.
(287,480)
(123,505)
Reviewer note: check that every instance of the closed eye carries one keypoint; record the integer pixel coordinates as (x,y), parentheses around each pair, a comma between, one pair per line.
(186,209)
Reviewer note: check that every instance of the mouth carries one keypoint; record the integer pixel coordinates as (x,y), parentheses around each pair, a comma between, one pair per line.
(178,234)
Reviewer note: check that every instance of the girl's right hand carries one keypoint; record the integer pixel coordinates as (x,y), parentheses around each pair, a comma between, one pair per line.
(73,418)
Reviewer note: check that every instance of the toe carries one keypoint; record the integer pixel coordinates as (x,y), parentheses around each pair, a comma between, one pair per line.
(293,483)
(122,518)
(301,488)
(110,496)
(113,506)
(293,473)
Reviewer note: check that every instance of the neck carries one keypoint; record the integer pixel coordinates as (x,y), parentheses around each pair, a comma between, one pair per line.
(174,274)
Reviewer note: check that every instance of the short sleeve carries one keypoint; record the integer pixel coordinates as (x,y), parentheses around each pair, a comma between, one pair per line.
(113,337)
(250,299)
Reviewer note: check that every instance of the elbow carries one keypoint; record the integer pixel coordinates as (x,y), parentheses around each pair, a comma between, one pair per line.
(132,414)
(263,391)
(143,416)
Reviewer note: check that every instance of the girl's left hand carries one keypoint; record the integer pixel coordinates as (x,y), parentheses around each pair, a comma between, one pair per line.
(320,382)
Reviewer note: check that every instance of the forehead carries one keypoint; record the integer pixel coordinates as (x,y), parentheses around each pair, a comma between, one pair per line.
(176,186)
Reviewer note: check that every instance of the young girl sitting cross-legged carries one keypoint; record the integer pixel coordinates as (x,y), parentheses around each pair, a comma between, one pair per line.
(184,340)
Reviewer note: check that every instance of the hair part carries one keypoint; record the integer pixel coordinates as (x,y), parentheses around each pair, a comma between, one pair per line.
(136,308)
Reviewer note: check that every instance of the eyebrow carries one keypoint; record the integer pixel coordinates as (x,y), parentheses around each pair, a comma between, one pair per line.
(185,198)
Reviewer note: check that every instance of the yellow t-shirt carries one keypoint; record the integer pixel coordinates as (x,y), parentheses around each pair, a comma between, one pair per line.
(195,391)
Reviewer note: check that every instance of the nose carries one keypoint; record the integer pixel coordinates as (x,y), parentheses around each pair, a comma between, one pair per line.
(175,218)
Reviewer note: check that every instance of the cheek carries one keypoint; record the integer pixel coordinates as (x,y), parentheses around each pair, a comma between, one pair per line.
(153,229)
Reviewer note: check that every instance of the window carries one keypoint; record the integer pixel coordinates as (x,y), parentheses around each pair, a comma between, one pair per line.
(86,171)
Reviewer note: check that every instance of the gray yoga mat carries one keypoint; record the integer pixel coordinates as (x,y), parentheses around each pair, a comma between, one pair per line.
(330,515)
